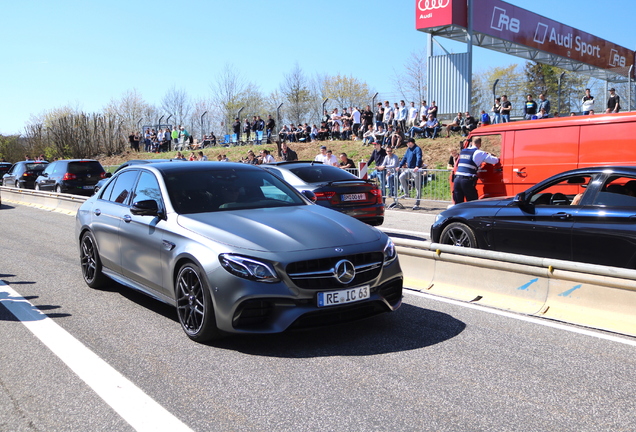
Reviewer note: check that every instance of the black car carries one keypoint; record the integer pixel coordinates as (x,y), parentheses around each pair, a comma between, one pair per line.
(23,174)
(584,215)
(334,188)
(103,181)
(4,168)
(74,176)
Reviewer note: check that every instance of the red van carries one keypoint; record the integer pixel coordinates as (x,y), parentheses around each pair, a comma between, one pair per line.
(531,151)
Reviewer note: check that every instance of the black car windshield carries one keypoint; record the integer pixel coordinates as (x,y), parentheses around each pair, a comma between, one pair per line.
(35,166)
(201,191)
(92,167)
(322,174)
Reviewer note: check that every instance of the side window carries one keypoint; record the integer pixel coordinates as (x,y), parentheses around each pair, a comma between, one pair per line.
(568,191)
(147,189)
(617,192)
(120,188)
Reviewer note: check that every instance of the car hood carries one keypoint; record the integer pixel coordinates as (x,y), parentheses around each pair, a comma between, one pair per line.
(281,229)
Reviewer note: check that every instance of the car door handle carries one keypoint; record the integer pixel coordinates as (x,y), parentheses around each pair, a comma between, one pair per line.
(561,216)
(520,171)
(127,218)
(97,212)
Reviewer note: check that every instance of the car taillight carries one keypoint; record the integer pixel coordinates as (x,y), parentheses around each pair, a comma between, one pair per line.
(324,196)
(378,195)
(103,175)
(69,176)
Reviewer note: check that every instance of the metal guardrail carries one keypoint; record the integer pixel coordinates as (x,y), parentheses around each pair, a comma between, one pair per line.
(590,295)
(401,186)
(53,201)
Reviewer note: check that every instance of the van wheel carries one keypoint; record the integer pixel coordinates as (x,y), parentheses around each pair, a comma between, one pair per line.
(458,234)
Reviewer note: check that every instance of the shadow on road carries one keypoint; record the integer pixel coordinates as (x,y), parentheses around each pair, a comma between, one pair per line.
(409,328)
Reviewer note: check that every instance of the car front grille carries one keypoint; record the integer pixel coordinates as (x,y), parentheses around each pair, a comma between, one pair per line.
(320,273)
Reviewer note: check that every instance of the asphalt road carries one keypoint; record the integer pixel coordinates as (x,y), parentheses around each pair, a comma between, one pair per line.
(431,366)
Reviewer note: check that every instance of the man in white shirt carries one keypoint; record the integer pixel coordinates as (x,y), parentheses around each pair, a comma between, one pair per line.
(325,157)
(413,115)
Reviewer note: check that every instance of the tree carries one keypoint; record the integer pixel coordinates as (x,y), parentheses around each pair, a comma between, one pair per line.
(129,109)
(542,78)
(176,102)
(297,95)
(227,90)
(346,91)
(511,83)
(411,81)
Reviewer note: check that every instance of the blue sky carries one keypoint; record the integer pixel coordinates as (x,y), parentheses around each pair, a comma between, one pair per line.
(84,54)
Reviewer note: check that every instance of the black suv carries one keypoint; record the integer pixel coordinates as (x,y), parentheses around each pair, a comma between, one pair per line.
(23,174)
(4,168)
(75,176)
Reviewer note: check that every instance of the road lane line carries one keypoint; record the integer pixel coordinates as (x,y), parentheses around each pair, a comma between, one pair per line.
(541,321)
(129,401)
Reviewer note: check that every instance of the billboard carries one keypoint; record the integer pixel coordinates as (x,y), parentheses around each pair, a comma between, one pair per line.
(510,23)
(439,13)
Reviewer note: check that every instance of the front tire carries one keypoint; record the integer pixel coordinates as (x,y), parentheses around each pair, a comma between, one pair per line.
(194,304)
(90,262)
(458,234)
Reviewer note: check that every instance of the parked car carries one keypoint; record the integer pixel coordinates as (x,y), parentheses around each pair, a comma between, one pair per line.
(334,188)
(74,176)
(585,215)
(4,168)
(23,174)
(234,249)
(103,181)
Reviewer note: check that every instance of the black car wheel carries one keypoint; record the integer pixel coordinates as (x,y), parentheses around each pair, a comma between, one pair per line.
(458,234)
(194,306)
(90,262)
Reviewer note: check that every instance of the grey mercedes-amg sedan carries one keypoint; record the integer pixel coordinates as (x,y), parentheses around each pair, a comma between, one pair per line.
(235,249)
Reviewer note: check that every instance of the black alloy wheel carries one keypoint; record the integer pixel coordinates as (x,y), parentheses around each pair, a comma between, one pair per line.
(194,306)
(458,234)
(90,262)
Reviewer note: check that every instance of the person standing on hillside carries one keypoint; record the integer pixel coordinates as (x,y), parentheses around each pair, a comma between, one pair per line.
(587,103)
(175,136)
(269,128)
(613,102)
(506,108)
(544,104)
(410,169)
(529,108)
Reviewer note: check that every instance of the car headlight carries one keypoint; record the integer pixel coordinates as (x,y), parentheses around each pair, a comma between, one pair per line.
(390,253)
(248,268)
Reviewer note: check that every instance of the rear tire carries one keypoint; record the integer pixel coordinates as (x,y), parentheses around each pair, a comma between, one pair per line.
(91,263)
(458,234)
(194,304)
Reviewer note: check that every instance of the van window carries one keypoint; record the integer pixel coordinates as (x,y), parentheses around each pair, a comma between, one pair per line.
(491,144)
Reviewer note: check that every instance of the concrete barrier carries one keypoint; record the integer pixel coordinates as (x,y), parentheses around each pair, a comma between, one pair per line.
(62,203)
(584,294)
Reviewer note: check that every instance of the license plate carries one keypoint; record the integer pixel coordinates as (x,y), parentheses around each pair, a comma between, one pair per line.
(88,187)
(332,298)
(354,197)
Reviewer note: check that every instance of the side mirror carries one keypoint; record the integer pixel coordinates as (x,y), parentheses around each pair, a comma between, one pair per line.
(108,175)
(145,208)
(309,195)
(44,174)
(520,198)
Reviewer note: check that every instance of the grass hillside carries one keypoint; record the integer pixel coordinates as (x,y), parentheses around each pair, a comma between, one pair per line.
(435,152)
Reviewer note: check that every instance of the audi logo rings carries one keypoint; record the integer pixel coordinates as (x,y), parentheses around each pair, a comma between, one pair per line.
(427,5)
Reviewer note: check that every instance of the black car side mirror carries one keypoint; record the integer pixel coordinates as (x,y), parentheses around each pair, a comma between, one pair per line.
(309,195)
(520,199)
(145,208)
(108,175)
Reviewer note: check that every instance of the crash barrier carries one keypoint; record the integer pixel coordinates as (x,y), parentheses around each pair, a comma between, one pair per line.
(584,294)
(404,186)
(63,203)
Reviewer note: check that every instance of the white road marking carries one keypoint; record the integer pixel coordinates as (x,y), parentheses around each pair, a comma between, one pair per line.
(530,319)
(129,401)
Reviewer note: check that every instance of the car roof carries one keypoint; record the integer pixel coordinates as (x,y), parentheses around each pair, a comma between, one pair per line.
(288,163)
(179,166)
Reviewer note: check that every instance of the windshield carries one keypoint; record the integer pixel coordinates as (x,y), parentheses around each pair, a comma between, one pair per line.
(35,166)
(231,189)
